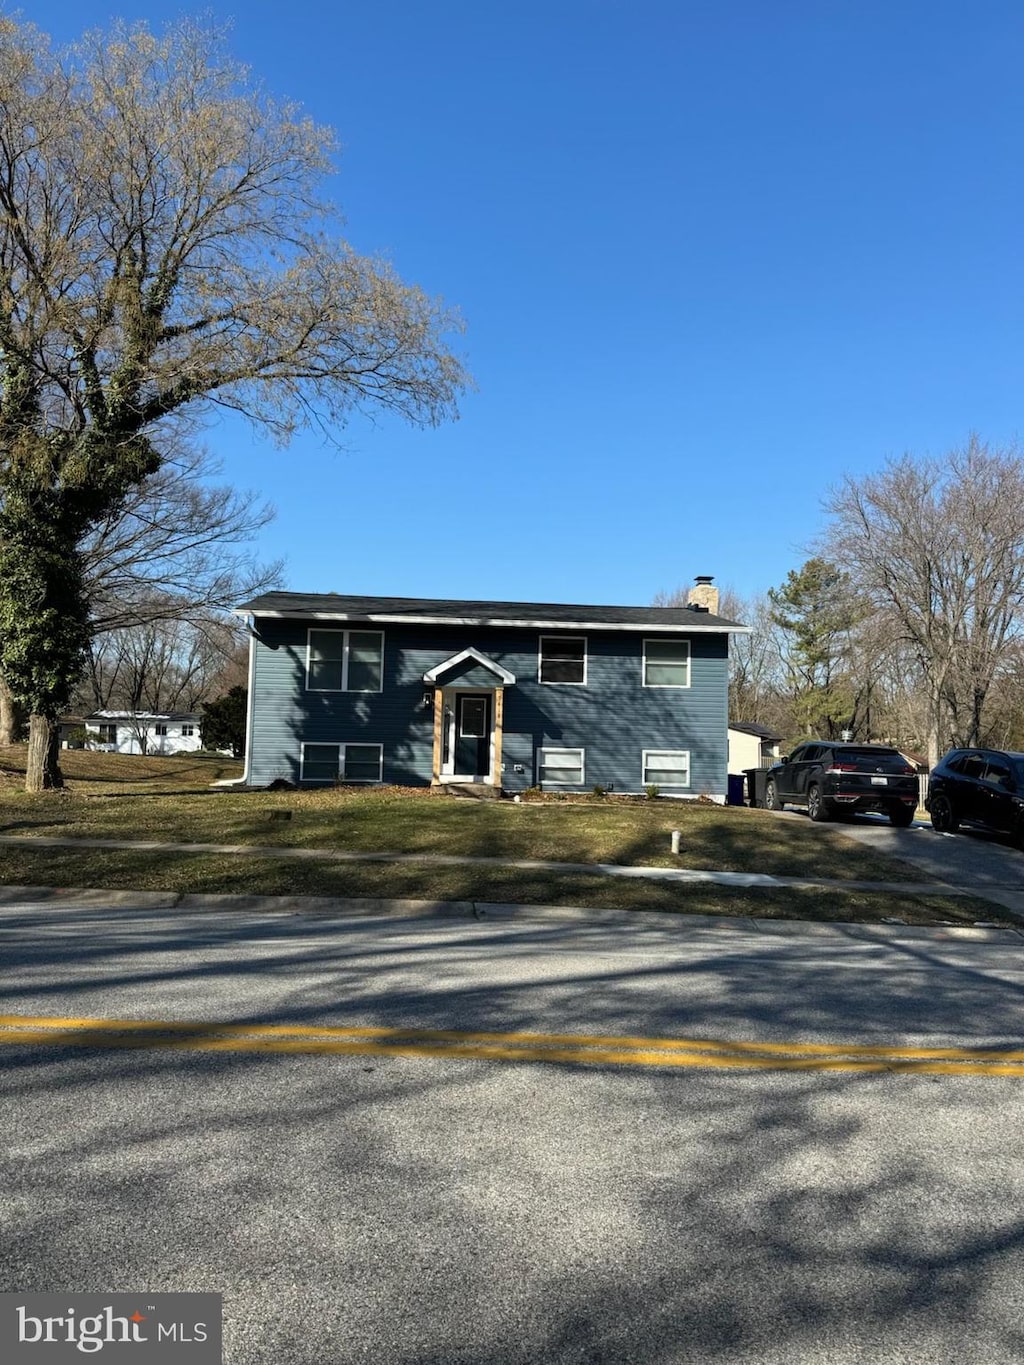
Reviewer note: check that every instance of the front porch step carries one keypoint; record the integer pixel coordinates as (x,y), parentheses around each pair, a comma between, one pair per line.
(474,791)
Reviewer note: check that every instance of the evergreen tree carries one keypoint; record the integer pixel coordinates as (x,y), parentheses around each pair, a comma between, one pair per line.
(223,723)
(817,609)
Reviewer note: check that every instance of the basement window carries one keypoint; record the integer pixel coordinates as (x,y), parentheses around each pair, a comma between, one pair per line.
(666,768)
(561,767)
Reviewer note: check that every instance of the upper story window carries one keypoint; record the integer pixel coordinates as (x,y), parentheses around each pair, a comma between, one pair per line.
(161,729)
(563,659)
(188,731)
(666,663)
(345,661)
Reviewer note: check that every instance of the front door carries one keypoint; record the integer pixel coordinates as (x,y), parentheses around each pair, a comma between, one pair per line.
(472,734)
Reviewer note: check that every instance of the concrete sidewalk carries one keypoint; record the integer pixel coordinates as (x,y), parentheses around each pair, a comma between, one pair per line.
(330,855)
(663,874)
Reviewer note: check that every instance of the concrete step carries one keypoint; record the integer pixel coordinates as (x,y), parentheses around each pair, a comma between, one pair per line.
(473,791)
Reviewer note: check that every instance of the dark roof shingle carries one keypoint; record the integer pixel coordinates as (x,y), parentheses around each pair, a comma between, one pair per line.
(336,605)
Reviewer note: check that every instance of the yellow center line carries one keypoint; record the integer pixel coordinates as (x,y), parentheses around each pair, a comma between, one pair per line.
(212,1036)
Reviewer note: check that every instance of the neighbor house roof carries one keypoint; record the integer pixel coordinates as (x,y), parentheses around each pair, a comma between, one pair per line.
(759,731)
(330,606)
(143,716)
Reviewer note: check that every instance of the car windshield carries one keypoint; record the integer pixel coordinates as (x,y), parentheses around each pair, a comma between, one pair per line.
(872,760)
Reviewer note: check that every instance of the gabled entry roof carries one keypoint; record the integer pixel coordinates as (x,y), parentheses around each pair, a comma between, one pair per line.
(470,656)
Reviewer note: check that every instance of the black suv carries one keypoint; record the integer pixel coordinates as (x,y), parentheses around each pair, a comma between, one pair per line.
(832,779)
(979,787)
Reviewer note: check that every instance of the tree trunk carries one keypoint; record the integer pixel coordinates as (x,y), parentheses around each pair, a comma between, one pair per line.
(12,717)
(42,771)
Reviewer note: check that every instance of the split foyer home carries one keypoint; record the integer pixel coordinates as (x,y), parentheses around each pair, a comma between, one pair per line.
(510,695)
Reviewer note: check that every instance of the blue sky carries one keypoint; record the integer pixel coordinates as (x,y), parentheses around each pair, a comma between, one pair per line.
(711,258)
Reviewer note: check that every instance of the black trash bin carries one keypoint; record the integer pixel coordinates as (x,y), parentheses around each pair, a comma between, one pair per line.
(735,789)
(755,785)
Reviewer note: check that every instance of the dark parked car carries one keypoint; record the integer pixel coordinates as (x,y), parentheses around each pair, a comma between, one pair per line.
(833,779)
(978,787)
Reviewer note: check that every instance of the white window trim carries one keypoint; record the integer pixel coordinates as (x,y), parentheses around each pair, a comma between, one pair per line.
(540,660)
(340,776)
(362,744)
(345,634)
(553,782)
(648,754)
(317,744)
(677,687)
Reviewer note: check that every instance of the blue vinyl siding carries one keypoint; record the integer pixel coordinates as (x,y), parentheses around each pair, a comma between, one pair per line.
(613,718)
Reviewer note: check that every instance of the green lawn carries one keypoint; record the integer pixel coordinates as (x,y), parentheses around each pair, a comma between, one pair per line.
(96,774)
(115,796)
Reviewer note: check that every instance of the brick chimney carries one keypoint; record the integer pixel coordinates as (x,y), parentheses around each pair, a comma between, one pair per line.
(703,594)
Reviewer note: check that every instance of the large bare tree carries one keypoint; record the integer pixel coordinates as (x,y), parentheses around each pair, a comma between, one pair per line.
(937,546)
(176,555)
(168,665)
(164,247)
(178,547)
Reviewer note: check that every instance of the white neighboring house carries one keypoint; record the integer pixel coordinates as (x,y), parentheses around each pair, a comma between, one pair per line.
(751,746)
(143,732)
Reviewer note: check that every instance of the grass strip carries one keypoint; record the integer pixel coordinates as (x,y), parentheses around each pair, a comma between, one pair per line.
(711,837)
(185,873)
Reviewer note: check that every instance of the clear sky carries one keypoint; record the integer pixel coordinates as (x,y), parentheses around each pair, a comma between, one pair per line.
(711,254)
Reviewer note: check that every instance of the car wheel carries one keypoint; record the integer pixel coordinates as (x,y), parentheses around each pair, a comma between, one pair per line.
(1018,832)
(944,818)
(816,806)
(771,796)
(901,816)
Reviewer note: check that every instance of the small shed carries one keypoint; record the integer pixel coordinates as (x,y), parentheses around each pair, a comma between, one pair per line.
(751,746)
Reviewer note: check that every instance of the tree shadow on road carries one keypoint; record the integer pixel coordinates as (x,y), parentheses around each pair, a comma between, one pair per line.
(417,1211)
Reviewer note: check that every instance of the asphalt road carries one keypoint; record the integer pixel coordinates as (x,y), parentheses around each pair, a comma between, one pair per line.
(409,1209)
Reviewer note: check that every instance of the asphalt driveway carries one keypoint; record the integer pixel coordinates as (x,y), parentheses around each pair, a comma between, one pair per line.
(986,864)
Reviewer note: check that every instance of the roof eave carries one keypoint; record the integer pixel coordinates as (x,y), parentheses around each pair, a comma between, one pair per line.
(388,618)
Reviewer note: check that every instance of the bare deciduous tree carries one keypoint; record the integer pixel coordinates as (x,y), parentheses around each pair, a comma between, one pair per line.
(937,546)
(177,548)
(164,247)
(160,665)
